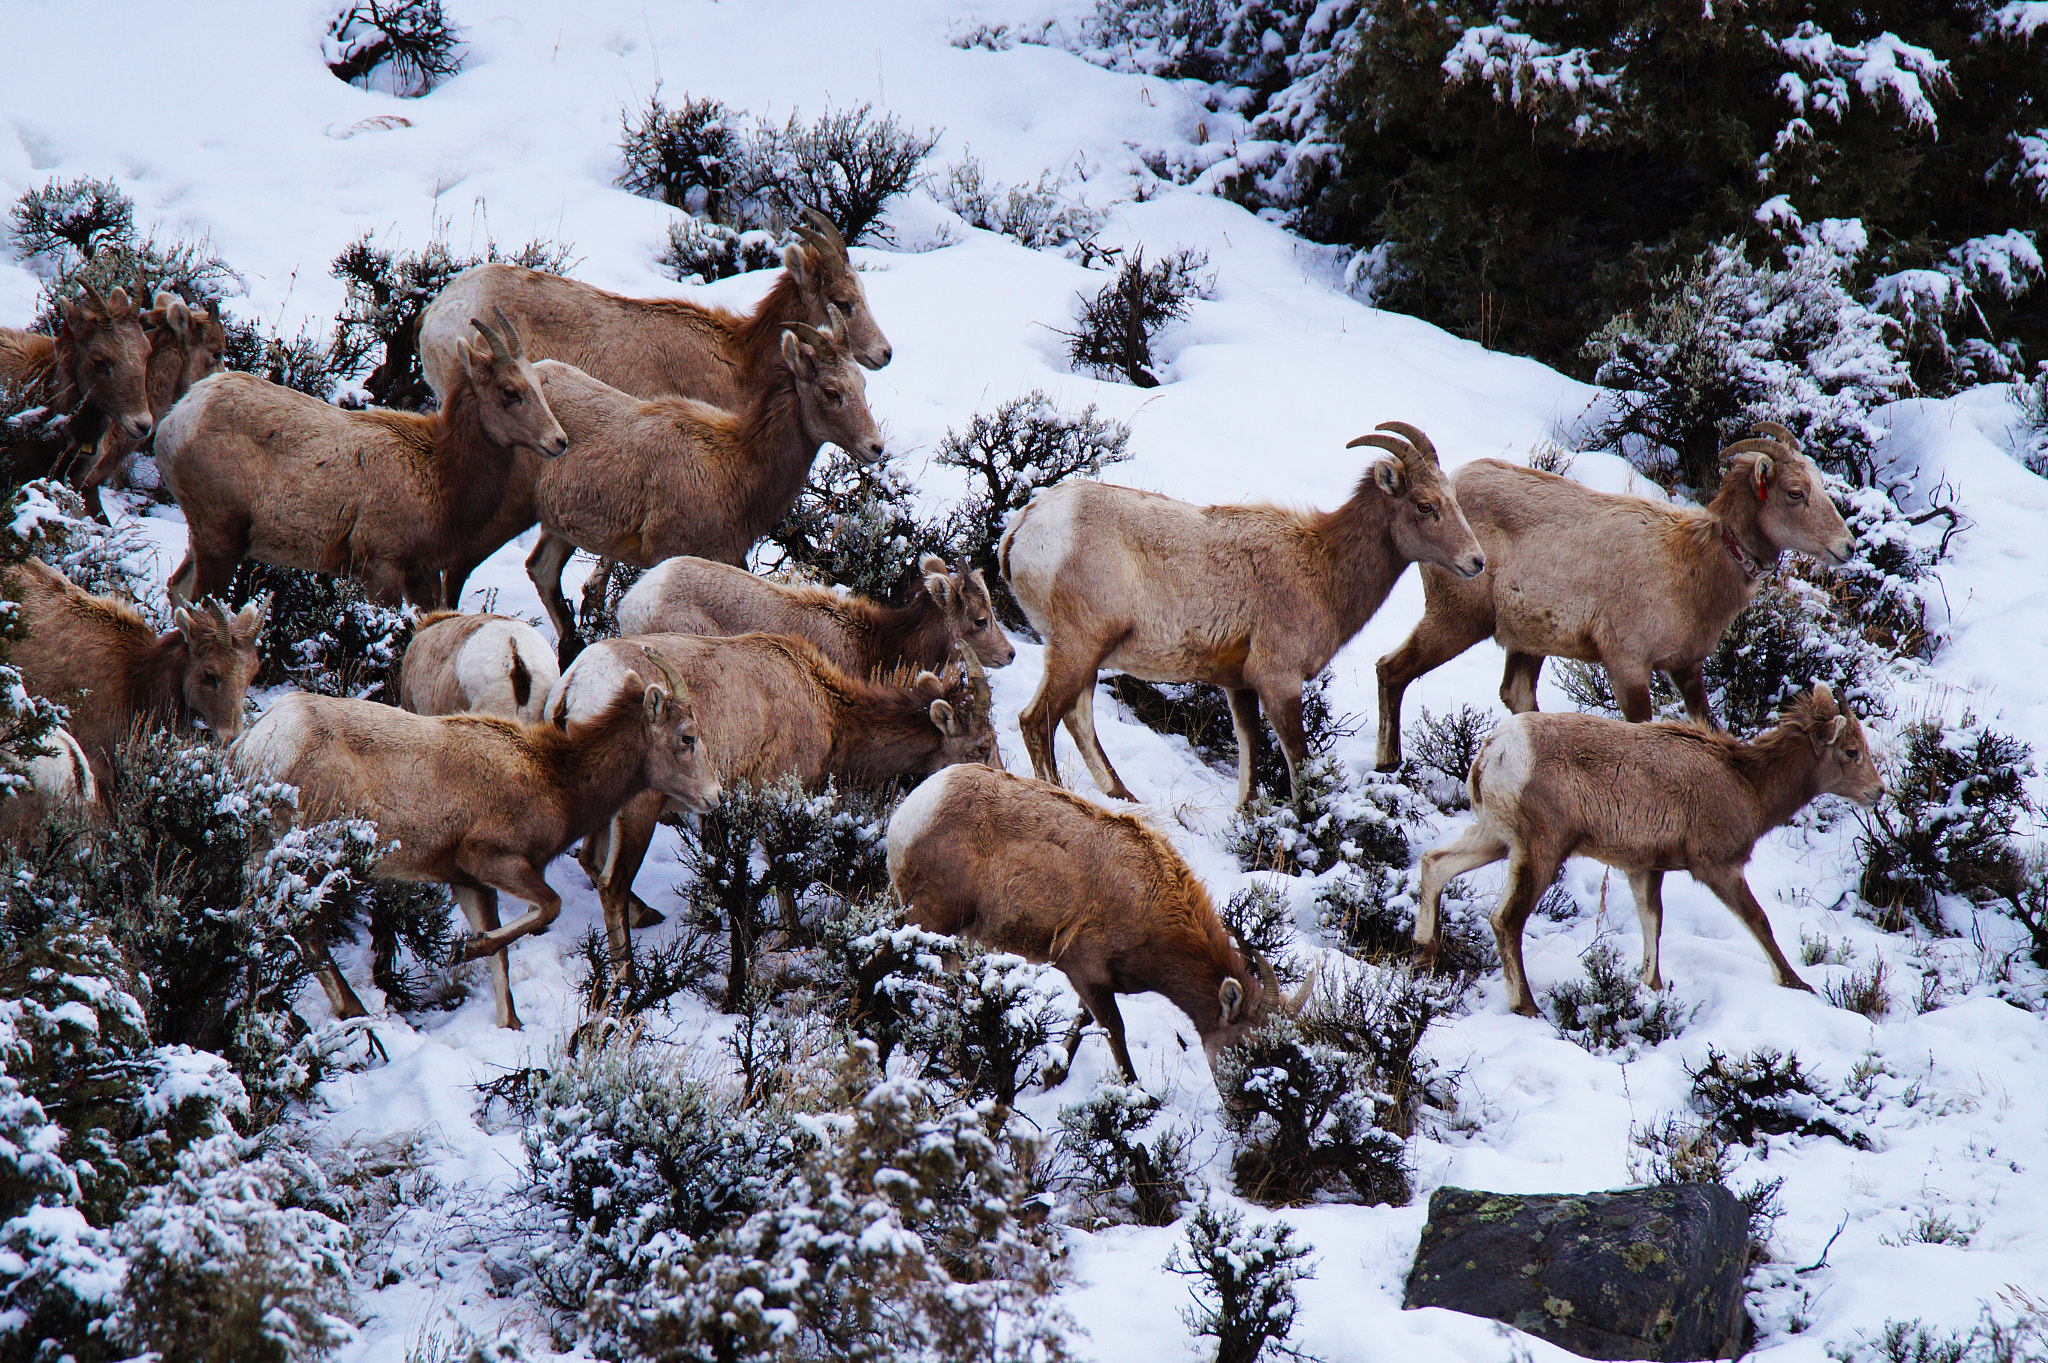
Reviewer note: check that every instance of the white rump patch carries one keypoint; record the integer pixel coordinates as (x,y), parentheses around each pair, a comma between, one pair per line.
(483,670)
(643,598)
(592,683)
(1039,543)
(915,816)
(1506,760)
(271,745)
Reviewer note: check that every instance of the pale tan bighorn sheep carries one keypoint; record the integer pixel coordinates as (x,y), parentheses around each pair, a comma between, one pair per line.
(687,595)
(101,660)
(477,664)
(477,803)
(1632,584)
(1645,799)
(389,498)
(651,347)
(185,346)
(1025,867)
(93,371)
(772,707)
(58,777)
(1254,599)
(646,480)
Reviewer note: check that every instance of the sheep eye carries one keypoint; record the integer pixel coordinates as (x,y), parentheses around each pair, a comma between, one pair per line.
(1795,496)
(833,396)
(103,365)
(1426,508)
(1852,753)
(513,397)
(982,623)
(213,679)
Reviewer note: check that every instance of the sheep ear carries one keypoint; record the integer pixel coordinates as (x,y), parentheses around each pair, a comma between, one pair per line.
(1389,476)
(1824,697)
(186,622)
(948,722)
(248,622)
(794,262)
(1230,994)
(180,316)
(1762,471)
(1835,729)
(932,563)
(940,588)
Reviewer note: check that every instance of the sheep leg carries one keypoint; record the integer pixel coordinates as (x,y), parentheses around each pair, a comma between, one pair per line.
(1732,889)
(1442,636)
(340,996)
(1477,846)
(1283,711)
(1528,878)
(1693,688)
(1066,675)
(1518,682)
(1631,684)
(514,875)
(1648,888)
(210,561)
(1244,720)
(1100,1001)
(1081,726)
(596,857)
(544,565)
(480,907)
(383,581)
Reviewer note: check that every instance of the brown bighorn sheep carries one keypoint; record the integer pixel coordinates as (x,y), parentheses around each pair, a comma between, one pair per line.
(184,347)
(773,706)
(1645,799)
(651,347)
(696,596)
(99,658)
(59,776)
(646,480)
(93,370)
(1254,599)
(477,803)
(478,664)
(1028,868)
(389,498)
(1626,582)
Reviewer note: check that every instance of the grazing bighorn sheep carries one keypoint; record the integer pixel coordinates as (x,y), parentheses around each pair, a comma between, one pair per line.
(650,347)
(1028,868)
(687,595)
(646,480)
(1626,582)
(99,658)
(184,347)
(59,776)
(389,498)
(477,803)
(92,371)
(1645,799)
(477,664)
(1254,599)
(772,707)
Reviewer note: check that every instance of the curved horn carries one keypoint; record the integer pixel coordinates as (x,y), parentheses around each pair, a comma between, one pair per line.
(811,336)
(835,324)
(1414,436)
(1777,433)
(817,241)
(499,350)
(1755,445)
(1386,442)
(675,683)
(827,229)
(220,616)
(509,332)
(1293,1006)
(976,678)
(92,295)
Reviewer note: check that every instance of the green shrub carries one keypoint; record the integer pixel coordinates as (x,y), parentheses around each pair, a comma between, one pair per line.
(1605,1011)
(1244,1280)
(1945,824)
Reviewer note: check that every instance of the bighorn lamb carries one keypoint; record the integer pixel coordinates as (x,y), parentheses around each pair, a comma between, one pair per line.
(1028,868)
(267,473)
(477,803)
(58,776)
(184,347)
(687,595)
(772,707)
(649,347)
(1645,799)
(1626,582)
(1254,599)
(92,371)
(646,480)
(99,658)
(479,664)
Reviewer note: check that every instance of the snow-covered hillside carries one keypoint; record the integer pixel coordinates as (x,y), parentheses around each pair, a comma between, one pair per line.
(224,121)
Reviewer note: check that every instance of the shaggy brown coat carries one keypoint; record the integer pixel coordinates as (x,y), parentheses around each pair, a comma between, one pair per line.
(1632,584)
(1645,799)
(477,803)
(686,595)
(1254,599)
(389,498)
(477,664)
(94,370)
(102,661)
(1025,867)
(184,347)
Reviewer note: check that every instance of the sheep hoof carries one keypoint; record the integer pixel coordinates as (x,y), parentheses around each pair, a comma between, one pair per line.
(474,947)
(1394,765)
(647,916)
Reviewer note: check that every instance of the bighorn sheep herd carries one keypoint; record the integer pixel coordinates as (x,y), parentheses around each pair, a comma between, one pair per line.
(673,436)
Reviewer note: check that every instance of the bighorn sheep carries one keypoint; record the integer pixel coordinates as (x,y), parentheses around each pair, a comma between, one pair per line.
(1025,867)
(479,664)
(650,347)
(92,371)
(771,707)
(185,346)
(1626,582)
(267,473)
(1645,799)
(57,777)
(696,596)
(477,803)
(99,658)
(1254,599)
(646,480)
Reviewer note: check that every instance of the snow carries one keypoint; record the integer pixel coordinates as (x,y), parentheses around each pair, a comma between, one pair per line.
(252,143)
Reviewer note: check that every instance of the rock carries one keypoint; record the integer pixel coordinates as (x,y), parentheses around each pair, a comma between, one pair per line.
(1652,1273)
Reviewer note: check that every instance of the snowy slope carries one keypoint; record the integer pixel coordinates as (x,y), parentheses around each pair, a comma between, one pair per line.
(230,125)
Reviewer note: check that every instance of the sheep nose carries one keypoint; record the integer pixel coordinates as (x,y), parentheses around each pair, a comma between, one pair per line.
(557,447)
(139,426)
(887,352)
(1475,565)
(874,450)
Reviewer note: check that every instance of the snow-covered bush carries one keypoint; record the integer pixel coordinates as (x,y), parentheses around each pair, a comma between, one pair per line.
(2033,404)
(1258,920)
(1380,1016)
(323,634)
(701,252)
(403,47)
(1442,751)
(1304,1115)
(1605,1011)
(1360,823)
(2013,1330)
(105,560)
(1042,215)
(70,219)
(1118,325)
(682,156)
(1887,585)
(1110,1163)
(1725,343)
(303,363)
(1767,1093)
(1945,824)
(1243,1284)
(855,525)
